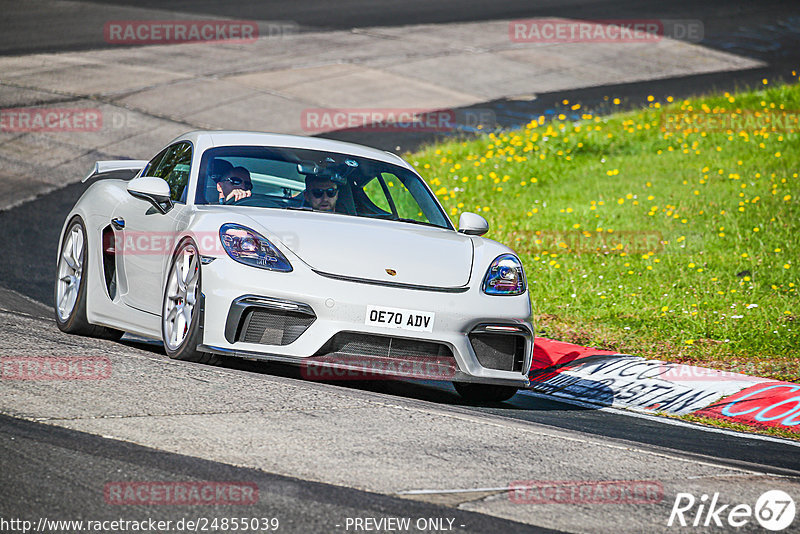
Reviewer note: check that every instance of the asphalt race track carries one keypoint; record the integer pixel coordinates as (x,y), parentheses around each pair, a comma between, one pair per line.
(50,25)
(324,454)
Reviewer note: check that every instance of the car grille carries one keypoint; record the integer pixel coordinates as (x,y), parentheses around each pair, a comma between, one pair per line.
(389,355)
(273,327)
(499,351)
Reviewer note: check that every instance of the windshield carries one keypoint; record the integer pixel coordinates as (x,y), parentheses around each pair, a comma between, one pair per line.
(313,180)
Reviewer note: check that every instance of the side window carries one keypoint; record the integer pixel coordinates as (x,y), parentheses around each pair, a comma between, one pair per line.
(388,193)
(173,166)
(374,191)
(153,164)
(407,206)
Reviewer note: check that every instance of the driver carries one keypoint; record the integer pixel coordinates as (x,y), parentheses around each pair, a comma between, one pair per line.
(321,193)
(234,184)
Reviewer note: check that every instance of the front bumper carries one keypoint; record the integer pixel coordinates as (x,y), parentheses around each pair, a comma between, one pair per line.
(337,308)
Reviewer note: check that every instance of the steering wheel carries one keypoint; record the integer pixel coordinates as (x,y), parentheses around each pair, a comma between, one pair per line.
(258,200)
(232,201)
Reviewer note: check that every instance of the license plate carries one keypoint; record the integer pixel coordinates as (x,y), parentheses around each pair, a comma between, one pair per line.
(418,321)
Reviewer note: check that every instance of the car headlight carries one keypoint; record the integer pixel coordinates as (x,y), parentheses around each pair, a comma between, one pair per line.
(505,276)
(251,248)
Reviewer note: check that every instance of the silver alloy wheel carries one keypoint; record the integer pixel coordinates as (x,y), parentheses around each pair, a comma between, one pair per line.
(181,296)
(70,271)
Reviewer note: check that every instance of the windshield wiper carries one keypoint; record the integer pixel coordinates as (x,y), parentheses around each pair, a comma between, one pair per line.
(414,221)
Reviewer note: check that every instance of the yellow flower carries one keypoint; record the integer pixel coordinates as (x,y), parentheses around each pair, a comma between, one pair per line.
(690,341)
(664,308)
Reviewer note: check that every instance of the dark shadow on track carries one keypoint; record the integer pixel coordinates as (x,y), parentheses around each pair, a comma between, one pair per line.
(44,467)
(504,114)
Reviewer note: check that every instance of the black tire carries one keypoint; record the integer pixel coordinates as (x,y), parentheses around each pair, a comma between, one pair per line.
(187,349)
(484,392)
(74,321)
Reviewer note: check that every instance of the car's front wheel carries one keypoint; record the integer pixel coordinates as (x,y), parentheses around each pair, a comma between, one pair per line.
(180,312)
(71,286)
(484,392)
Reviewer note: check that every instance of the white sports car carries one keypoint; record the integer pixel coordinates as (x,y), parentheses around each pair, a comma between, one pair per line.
(325,254)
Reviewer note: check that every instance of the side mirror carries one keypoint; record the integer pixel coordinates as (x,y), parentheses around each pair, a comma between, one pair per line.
(472,224)
(152,189)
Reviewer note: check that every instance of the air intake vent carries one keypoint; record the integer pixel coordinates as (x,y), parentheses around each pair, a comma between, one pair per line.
(389,355)
(273,327)
(499,351)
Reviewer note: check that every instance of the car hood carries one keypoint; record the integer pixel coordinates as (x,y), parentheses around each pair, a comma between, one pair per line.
(358,247)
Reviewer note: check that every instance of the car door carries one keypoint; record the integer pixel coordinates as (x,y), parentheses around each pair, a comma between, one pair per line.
(148,236)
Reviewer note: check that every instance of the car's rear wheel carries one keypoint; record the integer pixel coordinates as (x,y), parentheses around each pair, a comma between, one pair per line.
(181,309)
(484,392)
(71,286)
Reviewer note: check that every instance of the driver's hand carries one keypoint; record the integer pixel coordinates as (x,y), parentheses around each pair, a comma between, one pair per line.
(238,194)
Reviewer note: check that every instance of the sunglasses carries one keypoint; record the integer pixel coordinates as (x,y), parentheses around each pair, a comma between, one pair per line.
(233,179)
(329,192)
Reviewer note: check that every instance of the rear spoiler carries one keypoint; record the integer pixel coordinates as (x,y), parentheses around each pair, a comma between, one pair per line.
(124,168)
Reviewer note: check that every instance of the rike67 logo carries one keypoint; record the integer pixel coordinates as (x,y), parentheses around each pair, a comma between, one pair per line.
(774,510)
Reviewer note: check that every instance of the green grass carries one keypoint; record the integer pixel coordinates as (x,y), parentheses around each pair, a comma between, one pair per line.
(739,427)
(680,244)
